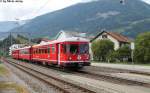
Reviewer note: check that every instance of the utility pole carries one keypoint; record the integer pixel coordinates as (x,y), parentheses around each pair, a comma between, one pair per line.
(10,39)
(29,39)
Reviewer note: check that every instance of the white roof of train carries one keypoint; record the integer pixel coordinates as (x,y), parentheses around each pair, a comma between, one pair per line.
(72,39)
(23,48)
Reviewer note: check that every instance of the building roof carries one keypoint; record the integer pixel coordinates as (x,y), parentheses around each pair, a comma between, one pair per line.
(115,35)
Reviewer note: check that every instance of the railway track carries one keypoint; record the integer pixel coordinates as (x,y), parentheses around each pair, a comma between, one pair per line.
(114,79)
(124,70)
(60,84)
(107,77)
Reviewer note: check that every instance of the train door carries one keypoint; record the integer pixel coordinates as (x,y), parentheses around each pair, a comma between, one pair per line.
(30,53)
(48,51)
(58,54)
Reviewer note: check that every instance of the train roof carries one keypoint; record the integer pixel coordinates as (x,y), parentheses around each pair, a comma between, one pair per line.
(72,39)
(23,48)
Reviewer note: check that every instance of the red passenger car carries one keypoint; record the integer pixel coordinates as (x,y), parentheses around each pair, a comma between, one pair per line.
(15,54)
(25,53)
(72,52)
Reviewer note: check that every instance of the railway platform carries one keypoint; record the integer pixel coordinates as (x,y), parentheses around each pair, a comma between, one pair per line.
(137,68)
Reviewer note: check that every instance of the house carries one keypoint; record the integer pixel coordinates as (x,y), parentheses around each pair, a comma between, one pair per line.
(118,39)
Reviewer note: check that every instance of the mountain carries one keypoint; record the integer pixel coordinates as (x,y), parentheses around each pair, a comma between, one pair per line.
(6,26)
(129,18)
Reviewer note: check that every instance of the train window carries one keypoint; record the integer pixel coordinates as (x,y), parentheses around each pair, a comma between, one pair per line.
(45,51)
(74,48)
(48,50)
(84,48)
(42,51)
(53,49)
(25,52)
(36,51)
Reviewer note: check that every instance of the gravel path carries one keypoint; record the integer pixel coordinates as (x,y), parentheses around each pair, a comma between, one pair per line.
(32,83)
(12,80)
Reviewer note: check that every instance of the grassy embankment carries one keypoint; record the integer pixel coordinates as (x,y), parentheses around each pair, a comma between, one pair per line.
(9,85)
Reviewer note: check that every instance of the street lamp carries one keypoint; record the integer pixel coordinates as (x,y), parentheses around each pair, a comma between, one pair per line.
(132,53)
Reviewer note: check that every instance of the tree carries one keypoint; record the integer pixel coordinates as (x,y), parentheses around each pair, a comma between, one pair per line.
(142,48)
(101,49)
(11,39)
(124,53)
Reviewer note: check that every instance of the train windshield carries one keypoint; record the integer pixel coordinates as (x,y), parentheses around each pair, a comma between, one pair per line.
(77,48)
(83,48)
(73,48)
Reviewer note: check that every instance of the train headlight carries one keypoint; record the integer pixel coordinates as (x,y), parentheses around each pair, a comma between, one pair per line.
(79,57)
(69,58)
(87,57)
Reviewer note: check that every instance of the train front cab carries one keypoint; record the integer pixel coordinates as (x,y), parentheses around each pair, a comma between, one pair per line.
(73,54)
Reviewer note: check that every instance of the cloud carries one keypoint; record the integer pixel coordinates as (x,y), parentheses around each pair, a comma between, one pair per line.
(147,1)
(31,8)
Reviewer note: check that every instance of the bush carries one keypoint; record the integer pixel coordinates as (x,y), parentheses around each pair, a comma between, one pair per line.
(123,54)
(101,49)
(142,49)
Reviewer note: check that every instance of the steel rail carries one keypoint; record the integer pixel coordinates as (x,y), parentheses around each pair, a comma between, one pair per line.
(111,78)
(117,79)
(66,88)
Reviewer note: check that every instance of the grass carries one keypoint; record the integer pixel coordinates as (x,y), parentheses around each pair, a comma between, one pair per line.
(12,86)
(3,70)
(9,85)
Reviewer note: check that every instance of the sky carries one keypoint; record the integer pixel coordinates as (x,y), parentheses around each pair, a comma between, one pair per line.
(29,9)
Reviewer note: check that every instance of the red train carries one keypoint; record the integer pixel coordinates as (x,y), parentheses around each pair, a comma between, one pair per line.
(65,53)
